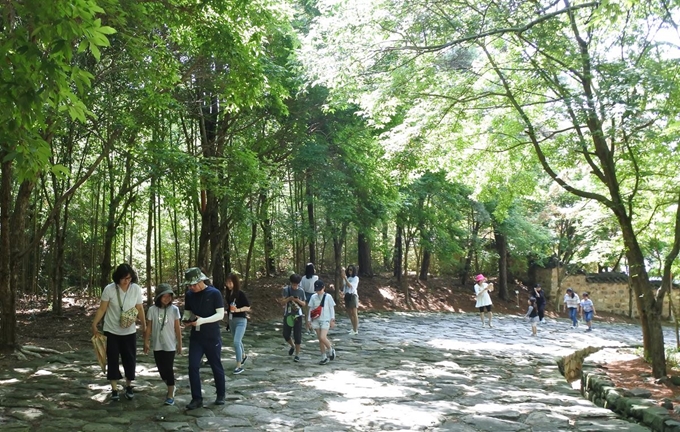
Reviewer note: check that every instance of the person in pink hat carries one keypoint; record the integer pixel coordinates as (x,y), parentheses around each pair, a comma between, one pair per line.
(482,290)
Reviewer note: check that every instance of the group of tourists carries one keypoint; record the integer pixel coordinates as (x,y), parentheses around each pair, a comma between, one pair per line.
(576,307)
(204,309)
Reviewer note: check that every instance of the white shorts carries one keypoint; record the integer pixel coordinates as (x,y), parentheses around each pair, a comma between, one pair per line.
(321,324)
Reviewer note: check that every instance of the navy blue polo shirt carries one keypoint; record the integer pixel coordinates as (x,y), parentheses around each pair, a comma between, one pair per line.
(204,304)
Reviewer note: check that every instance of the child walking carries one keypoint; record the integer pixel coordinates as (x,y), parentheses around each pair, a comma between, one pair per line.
(532,314)
(324,321)
(587,310)
(162,326)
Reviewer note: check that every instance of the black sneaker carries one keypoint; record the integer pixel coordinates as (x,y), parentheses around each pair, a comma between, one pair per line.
(244,360)
(332,355)
(114,396)
(296,359)
(194,404)
(324,361)
(129,394)
(220,400)
(290,351)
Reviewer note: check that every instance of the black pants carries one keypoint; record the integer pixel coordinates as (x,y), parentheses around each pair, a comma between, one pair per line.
(541,311)
(296,330)
(124,346)
(164,362)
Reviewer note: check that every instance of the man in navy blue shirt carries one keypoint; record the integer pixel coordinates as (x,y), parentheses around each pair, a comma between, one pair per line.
(203,311)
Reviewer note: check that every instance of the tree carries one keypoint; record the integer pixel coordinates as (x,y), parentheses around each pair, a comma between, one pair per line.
(588,84)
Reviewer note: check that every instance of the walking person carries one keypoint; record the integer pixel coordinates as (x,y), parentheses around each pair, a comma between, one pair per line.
(163,329)
(587,309)
(540,302)
(350,285)
(307,282)
(294,301)
(482,290)
(121,305)
(238,321)
(532,314)
(571,303)
(203,311)
(323,320)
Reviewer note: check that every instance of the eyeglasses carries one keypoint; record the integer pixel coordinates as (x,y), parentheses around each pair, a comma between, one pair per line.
(127,278)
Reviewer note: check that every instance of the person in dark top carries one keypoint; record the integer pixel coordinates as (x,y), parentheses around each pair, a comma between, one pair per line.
(203,311)
(294,301)
(238,322)
(540,302)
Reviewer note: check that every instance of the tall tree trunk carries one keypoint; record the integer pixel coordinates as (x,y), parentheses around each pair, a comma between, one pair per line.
(649,306)
(387,257)
(502,250)
(425,264)
(149,236)
(398,252)
(267,236)
(364,256)
(472,241)
(338,241)
(251,247)
(8,333)
(312,224)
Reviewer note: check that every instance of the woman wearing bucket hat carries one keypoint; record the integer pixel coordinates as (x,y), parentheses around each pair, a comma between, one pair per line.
(162,327)
(203,311)
(482,290)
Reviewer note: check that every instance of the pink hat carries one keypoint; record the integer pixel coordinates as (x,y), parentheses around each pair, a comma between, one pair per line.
(479,277)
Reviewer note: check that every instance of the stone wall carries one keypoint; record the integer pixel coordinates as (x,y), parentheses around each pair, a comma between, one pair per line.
(608,291)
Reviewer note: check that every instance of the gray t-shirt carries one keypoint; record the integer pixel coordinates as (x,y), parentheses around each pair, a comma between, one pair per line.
(163,337)
(291,307)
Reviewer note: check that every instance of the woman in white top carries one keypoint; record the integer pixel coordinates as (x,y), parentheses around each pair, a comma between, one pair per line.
(324,321)
(482,290)
(350,282)
(307,282)
(571,302)
(118,297)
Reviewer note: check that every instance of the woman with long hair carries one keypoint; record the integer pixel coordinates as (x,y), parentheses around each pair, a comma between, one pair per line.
(350,285)
(238,306)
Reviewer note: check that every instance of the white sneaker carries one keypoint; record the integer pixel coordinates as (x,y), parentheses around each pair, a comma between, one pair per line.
(490,325)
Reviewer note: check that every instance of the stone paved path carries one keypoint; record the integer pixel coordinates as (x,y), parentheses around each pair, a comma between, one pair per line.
(405,371)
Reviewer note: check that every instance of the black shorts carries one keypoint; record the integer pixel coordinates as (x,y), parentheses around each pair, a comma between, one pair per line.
(488,308)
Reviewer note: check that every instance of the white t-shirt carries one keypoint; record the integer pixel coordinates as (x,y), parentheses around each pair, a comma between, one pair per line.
(130,298)
(484,299)
(328,310)
(308,284)
(353,285)
(163,336)
(572,302)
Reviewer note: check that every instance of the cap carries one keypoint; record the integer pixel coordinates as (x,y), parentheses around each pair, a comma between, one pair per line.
(532,299)
(318,285)
(193,276)
(163,289)
(479,277)
(570,290)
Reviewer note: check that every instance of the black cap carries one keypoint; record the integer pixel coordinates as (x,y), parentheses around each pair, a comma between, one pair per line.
(318,285)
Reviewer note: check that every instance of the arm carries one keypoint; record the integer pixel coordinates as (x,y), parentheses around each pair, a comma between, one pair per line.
(140,315)
(178,335)
(98,316)
(217,316)
(147,337)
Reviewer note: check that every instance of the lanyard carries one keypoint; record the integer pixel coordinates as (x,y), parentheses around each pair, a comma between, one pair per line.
(120,304)
(165,313)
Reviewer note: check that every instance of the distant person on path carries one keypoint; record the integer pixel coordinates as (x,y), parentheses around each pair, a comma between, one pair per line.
(571,303)
(325,321)
(238,322)
(162,327)
(350,285)
(203,311)
(307,282)
(294,301)
(482,290)
(532,314)
(540,302)
(118,298)
(587,309)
